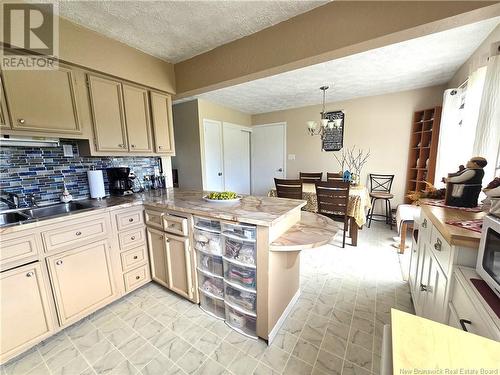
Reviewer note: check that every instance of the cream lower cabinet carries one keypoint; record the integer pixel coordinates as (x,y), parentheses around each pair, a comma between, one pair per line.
(82,280)
(158,256)
(26,315)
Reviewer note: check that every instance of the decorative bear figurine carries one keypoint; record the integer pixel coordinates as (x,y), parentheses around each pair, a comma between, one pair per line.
(463,187)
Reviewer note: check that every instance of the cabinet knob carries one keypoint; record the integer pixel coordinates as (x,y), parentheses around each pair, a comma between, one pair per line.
(424,223)
(423,288)
(438,244)
(219,174)
(137,277)
(78,233)
(30,274)
(130,220)
(463,323)
(160,147)
(132,238)
(167,240)
(21,121)
(59,262)
(133,146)
(135,256)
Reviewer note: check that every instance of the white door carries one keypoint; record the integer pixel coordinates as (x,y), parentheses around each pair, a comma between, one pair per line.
(236,159)
(268,156)
(214,179)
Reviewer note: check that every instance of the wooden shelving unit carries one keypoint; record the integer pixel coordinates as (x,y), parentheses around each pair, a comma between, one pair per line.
(423,149)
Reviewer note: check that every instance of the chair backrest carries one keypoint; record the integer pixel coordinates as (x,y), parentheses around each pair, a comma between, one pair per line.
(311,177)
(332,197)
(381,182)
(334,176)
(288,188)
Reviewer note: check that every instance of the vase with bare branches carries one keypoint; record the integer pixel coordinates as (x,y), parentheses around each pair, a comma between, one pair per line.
(354,160)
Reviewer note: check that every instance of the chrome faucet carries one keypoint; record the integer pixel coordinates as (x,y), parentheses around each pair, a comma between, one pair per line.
(30,200)
(11,199)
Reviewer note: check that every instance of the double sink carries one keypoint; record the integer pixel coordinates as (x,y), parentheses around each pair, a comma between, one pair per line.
(18,216)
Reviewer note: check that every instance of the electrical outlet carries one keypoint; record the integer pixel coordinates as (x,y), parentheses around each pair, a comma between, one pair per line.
(68,151)
(291,156)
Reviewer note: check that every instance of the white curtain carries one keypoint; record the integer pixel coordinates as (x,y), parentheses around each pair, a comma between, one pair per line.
(446,157)
(487,135)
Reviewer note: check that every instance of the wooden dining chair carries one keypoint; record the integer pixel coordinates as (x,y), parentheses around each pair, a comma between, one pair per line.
(288,188)
(334,176)
(333,198)
(311,177)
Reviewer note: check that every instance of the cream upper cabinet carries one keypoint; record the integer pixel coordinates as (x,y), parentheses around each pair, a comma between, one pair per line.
(42,100)
(82,280)
(158,256)
(108,116)
(4,115)
(137,117)
(179,265)
(26,316)
(161,109)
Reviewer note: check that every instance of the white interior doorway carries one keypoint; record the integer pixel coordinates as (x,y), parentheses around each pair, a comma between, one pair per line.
(213,158)
(268,156)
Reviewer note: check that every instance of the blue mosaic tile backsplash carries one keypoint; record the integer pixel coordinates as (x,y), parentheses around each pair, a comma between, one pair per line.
(40,171)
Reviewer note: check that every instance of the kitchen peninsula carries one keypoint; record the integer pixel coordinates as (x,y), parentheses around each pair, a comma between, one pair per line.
(173,237)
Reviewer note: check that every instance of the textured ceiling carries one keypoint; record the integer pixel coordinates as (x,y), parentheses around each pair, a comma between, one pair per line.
(178,30)
(416,63)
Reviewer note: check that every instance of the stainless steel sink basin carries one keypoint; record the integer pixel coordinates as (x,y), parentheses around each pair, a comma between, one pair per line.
(12,218)
(56,209)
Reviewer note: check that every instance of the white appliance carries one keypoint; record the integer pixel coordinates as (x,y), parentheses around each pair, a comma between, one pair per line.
(488,259)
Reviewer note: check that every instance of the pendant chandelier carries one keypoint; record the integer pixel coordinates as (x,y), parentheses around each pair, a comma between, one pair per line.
(324,123)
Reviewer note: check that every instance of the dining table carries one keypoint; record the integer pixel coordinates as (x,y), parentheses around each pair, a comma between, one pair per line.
(357,207)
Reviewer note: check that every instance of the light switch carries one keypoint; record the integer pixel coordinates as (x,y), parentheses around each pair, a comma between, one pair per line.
(291,156)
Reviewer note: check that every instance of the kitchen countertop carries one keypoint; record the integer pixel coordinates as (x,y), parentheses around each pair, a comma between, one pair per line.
(265,211)
(453,234)
(419,344)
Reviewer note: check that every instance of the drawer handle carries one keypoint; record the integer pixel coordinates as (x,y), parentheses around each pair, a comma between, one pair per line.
(59,262)
(30,274)
(424,223)
(463,323)
(132,238)
(137,277)
(438,244)
(78,233)
(423,288)
(130,220)
(135,257)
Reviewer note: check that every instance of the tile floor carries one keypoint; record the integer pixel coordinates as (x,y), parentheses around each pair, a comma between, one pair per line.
(335,327)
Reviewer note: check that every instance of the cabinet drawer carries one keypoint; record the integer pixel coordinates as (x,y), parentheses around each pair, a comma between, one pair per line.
(175,224)
(134,257)
(18,248)
(131,238)
(463,307)
(441,249)
(135,278)
(129,219)
(75,234)
(154,218)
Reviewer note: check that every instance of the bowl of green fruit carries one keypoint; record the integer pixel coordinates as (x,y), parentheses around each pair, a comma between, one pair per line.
(222,197)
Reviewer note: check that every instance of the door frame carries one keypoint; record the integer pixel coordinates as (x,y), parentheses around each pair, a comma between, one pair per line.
(202,144)
(282,124)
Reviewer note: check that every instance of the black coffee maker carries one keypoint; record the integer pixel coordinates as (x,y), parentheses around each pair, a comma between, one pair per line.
(119,180)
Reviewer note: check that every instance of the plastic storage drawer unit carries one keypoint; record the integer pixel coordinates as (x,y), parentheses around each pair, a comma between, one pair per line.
(244,299)
(211,284)
(240,321)
(213,306)
(243,276)
(210,263)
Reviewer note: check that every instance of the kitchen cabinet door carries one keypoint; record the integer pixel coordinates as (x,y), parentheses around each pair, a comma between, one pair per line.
(161,109)
(4,115)
(158,256)
(42,100)
(26,316)
(82,280)
(179,266)
(435,304)
(421,279)
(137,117)
(106,101)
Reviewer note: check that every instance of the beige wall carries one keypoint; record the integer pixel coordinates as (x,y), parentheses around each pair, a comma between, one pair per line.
(379,123)
(188,130)
(478,59)
(187,144)
(337,29)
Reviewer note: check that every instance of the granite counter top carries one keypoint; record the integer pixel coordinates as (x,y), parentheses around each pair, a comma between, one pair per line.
(265,211)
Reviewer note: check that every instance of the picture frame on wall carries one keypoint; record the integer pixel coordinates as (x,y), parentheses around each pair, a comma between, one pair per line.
(333,139)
